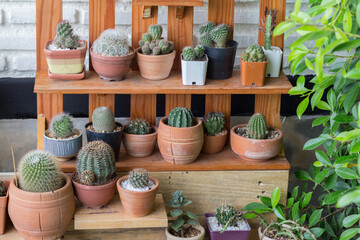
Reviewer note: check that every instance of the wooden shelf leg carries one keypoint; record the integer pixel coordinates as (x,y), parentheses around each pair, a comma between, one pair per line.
(176,100)
(269,105)
(99,100)
(143,106)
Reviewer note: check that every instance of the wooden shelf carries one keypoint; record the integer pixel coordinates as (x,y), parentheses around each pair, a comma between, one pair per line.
(135,84)
(191,3)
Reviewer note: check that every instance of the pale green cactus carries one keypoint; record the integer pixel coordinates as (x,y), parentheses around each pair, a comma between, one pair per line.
(205,40)
(103,120)
(111,43)
(155,31)
(253,53)
(206,27)
(199,51)
(220,35)
(188,54)
(65,37)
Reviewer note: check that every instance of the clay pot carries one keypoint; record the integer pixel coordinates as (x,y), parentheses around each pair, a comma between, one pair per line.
(112,68)
(255,149)
(214,144)
(3,205)
(155,67)
(140,145)
(180,145)
(265,237)
(40,216)
(137,204)
(253,73)
(169,236)
(94,196)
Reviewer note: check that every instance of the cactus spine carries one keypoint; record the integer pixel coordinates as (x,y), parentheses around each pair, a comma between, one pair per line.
(267,43)
(253,53)
(139,178)
(155,31)
(211,35)
(257,128)
(65,37)
(226,213)
(61,126)
(214,123)
(111,43)
(103,120)
(152,44)
(199,51)
(269,23)
(192,54)
(138,127)
(181,117)
(206,27)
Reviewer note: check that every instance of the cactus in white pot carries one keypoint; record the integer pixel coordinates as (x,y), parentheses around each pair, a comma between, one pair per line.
(194,63)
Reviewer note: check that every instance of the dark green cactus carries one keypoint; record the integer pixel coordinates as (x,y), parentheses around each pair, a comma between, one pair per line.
(269,22)
(65,37)
(181,117)
(199,51)
(3,189)
(225,214)
(205,40)
(103,120)
(214,123)
(253,53)
(138,127)
(220,35)
(206,27)
(139,178)
(188,54)
(155,31)
(61,126)
(257,128)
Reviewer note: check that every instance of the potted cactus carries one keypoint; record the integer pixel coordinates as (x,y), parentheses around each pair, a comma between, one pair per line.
(103,127)
(137,192)
(4,196)
(253,66)
(111,56)
(139,138)
(61,139)
(43,204)
(180,136)
(219,49)
(95,176)
(272,53)
(65,55)
(255,141)
(194,65)
(155,56)
(215,134)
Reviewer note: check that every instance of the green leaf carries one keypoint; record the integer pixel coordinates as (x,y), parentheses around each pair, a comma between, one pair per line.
(320,120)
(295,211)
(186,202)
(297,6)
(355,148)
(256,206)
(316,97)
(191,215)
(348,136)
(315,217)
(302,107)
(278,212)
(346,173)
(314,143)
(349,233)
(306,199)
(295,192)
(322,157)
(343,118)
(308,64)
(177,224)
(353,73)
(347,21)
(320,175)
(265,200)
(330,181)
(317,231)
(192,222)
(302,175)
(350,97)
(358,14)
(283,27)
(329,229)
(332,198)
(350,45)
(275,197)
(349,198)
(323,105)
(176,212)
(351,220)
(290,202)
(344,159)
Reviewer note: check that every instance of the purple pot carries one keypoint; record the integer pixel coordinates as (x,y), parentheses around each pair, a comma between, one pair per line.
(227,235)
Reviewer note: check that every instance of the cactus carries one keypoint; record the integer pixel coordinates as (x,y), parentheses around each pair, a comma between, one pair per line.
(214,123)
(64,36)
(146,37)
(61,126)
(138,127)
(38,172)
(253,53)
(146,50)
(205,40)
(103,120)
(181,117)
(155,31)
(3,189)
(257,128)
(206,27)
(139,178)
(188,54)
(220,34)
(226,214)
(269,22)
(111,43)
(152,44)
(156,50)
(199,52)
(96,157)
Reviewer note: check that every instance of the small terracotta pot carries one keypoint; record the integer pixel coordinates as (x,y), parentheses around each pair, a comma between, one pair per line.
(3,205)
(180,145)
(137,204)
(40,216)
(253,73)
(139,145)
(94,196)
(265,237)
(214,144)
(112,68)
(155,67)
(255,149)
(201,236)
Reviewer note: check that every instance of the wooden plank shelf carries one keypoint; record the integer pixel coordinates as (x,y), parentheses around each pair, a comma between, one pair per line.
(192,3)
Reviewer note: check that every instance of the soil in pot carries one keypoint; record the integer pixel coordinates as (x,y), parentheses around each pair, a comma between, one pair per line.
(190,232)
(140,145)
(214,144)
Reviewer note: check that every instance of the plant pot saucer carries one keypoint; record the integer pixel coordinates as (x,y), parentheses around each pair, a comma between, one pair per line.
(75,76)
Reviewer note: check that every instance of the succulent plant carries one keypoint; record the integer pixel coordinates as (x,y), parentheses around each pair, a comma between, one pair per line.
(146,50)
(103,120)
(199,51)
(257,128)
(205,40)
(181,117)
(38,172)
(65,37)
(220,34)
(97,158)
(152,44)
(226,214)
(146,37)
(111,43)
(61,126)
(253,53)
(188,54)
(206,27)
(139,178)
(269,22)
(155,31)
(214,123)
(138,127)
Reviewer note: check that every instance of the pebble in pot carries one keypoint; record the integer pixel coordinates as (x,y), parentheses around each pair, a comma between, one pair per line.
(215,134)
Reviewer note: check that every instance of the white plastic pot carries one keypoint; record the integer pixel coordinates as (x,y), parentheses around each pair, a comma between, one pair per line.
(194,72)
(274,57)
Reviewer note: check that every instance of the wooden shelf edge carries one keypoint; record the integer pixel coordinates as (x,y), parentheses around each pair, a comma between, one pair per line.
(185,3)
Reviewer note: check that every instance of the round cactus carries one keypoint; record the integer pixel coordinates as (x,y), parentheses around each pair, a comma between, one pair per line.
(188,54)
(146,37)
(139,178)
(220,35)
(64,36)
(155,31)
(205,40)
(199,52)
(146,50)
(214,123)
(156,51)
(226,213)
(206,27)
(61,126)
(111,43)
(138,127)
(181,117)
(103,120)
(38,172)
(253,53)
(96,158)
(257,128)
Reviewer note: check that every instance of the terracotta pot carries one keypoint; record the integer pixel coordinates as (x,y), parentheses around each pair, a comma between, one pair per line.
(3,205)
(253,73)
(40,216)
(180,145)
(265,237)
(140,145)
(155,67)
(214,144)
(94,196)
(199,237)
(137,204)
(112,68)
(255,149)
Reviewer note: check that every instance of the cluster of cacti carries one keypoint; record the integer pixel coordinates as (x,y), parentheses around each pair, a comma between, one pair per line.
(269,22)
(214,123)
(103,120)
(192,54)
(139,178)
(138,126)
(181,117)
(257,128)
(111,43)
(226,215)
(62,126)
(65,37)
(95,163)
(214,36)
(152,43)
(3,189)
(253,53)
(38,172)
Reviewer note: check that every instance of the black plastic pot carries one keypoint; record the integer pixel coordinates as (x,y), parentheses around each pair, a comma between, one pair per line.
(221,61)
(113,138)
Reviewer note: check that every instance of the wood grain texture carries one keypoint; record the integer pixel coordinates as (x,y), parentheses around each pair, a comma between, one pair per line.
(219,103)
(49,104)
(269,105)
(143,106)
(99,100)
(222,11)
(41,127)
(176,100)
(170,2)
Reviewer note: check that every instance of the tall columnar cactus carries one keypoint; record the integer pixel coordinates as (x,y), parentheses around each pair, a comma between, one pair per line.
(155,31)
(199,51)
(103,120)
(138,127)
(214,123)
(181,117)
(61,126)
(269,22)
(65,37)
(96,158)
(225,214)
(111,43)
(206,27)
(253,53)
(38,172)
(220,34)
(257,128)
(139,178)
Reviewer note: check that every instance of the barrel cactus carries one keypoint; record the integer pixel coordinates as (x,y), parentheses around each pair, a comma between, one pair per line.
(225,214)
(181,117)
(139,178)
(95,163)
(65,37)
(155,31)
(214,123)
(220,35)
(38,172)
(152,44)
(138,127)
(257,128)
(61,126)
(253,53)
(111,43)
(103,120)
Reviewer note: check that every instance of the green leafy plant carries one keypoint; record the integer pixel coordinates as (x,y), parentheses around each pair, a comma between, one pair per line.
(214,123)
(65,37)
(61,126)
(111,43)
(214,36)
(268,22)
(181,117)
(138,127)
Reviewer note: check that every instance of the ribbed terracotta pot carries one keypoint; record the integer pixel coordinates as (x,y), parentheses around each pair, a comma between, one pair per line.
(3,205)
(253,73)
(94,196)
(40,216)
(140,145)
(199,237)
(112,68)
(214,144)
(255,149)
(137,204)
(155,67)
(265,237)
(180,145)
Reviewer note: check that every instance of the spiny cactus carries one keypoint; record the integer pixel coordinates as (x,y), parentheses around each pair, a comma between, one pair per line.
(3,189)
(188,54)
(181,117)
(152,44)
(205,40)
(146,37)
(220,34)
(199,51)
(61,126)
(138,127)
(253,53)
(214,123)
(139,178)
(38,172)
(226,213)
(111,43)
(206,27)
(155,31)
(257,128)
(103,120)
(65,37)
(96,157)
(269,22)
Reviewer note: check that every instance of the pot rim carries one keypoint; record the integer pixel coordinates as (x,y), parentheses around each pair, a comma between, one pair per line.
(230,40)
(203,61)
(92,188)
(155,129)
(199,227)
(199,122)
(7,191)
(112,58)
(118,184)
(213,215)
(154,56)
(272,48)
(256,140)
(48,51)
(223,130)
(63,140)
(242,61)
(116,123)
